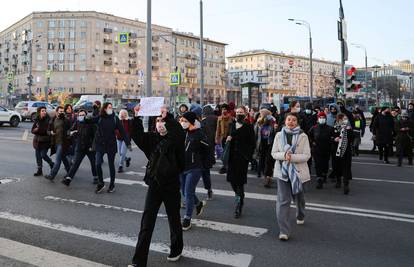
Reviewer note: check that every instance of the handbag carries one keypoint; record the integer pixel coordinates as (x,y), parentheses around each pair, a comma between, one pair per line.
(219,151)
(226,152)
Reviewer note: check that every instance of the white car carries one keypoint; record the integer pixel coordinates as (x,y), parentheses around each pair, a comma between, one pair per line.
(8,116)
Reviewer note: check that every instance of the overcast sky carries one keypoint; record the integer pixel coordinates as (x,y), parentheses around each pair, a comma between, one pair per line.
(384,27)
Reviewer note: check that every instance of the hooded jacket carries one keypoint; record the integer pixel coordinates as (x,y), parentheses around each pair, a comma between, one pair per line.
(331,118)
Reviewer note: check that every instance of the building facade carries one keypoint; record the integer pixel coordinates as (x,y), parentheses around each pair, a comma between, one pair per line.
(282,74)
(82,52)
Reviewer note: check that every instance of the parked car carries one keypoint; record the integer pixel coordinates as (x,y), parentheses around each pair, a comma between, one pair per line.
(8,116)
(86,105)
(28,109)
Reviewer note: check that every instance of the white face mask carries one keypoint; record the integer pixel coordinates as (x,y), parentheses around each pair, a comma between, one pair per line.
(308,111)
(109,111)
(297,110)
(185,125)
(322,120)
(161,128)
(81,118)
(345,122)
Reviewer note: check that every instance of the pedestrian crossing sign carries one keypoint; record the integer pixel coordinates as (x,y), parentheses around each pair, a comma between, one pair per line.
(10,76)
(123,38)
(175,78)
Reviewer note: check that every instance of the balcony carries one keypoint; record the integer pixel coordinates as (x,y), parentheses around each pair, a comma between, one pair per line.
(107,41)
(133,45)
(133,55)
(107,52)
(190,66)
(155,68)
(155,58)
(155,48)
(133,65)
(191,75)
(107,30)
(108,62)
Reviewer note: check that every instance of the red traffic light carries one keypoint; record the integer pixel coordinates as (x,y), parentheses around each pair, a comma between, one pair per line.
(351,71)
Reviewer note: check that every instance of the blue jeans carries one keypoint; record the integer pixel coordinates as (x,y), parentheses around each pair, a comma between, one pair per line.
(189,181)
(111,164)
(60,157)
(41,154)
(205,174)
(123,150)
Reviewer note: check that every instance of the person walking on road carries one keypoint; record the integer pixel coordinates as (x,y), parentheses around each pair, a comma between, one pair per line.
(410,110)
(122,146)
(291,151)
(242,144)
(41,140)
(404,129)
(164,150)
(196,154)
(105,143)
(59,129)
(321,137)
(83,134)
(359,132)
(383,130)
(223,128)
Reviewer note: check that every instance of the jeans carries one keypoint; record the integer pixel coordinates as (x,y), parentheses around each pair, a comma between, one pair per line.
(60,157)
(384,151)
(41,154)
(284,197)
(205,174)
(123,149)
(171,199)
(79,156)
(111,164)
(189,181)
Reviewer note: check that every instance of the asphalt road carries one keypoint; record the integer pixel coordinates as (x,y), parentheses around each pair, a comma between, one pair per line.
(373,226)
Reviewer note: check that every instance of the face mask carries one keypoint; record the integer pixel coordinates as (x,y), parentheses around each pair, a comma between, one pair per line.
(161,128)
(185,125)
(334,112)
(109,111)
(81,118)
(308,111)
(61,115)
(345,122)
(322,121)
(240,118)
(297,110)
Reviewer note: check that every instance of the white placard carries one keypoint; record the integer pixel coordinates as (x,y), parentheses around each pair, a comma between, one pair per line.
(151,106)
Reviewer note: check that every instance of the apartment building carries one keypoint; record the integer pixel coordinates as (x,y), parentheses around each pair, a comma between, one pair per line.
(81,49)
(278,73)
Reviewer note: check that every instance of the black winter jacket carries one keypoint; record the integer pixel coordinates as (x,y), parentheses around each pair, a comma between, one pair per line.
(196,150)
(165,154)
(321,139)
(84,138)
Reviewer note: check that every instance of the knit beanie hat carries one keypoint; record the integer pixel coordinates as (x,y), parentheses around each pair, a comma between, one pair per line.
(190,116)
(321,114)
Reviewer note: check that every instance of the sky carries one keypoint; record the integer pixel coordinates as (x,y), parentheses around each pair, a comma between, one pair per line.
(385,28)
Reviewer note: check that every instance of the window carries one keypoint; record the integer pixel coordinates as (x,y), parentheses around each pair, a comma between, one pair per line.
(61,68)
(72,23)
(38,68)
(61,34)
(39,24)
(71,68)
(50,56)
(83,78)
(82,57)
(39,57)
(83,35)
(71,57)
(50,46)
(72,34)
(83,23)
(62,23)
(61,46)
(61,56)
(52,23)
(72,45)
(50,34)
(83,45)
(98,24)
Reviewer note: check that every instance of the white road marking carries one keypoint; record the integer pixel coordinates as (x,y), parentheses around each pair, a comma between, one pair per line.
(380,164)
(217,226)
(203,254)
(7,180)
(41,257)
(383,180)
(320,207)
(25,135)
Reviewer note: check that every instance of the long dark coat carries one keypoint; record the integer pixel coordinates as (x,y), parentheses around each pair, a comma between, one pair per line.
(384,129)
(241,150)
(41,138)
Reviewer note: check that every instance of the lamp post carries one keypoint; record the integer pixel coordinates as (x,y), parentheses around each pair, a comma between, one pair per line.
(308,26)
(201,55)
(172,91)
(366,71)
(376,67)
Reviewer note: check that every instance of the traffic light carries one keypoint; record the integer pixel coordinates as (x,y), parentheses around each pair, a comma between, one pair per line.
(10,88)
(339,87)
(30,80)
(350,79)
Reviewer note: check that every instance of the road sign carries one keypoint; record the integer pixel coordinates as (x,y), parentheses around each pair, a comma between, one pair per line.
(290,62)
(10,76)
(123,38)
(48,73)
(175,78)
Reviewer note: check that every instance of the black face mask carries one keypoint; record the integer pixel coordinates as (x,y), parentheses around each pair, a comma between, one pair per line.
(334,112)
(240,118)
(61,115)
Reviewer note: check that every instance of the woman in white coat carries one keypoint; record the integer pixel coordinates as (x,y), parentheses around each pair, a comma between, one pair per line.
(291,151)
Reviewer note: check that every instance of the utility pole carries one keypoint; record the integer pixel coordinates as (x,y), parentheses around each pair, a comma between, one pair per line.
(30,79)
(311,65)
(342,37)
(148,80)
(201,55)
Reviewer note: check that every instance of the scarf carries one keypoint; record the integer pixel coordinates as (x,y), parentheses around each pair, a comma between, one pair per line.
(343,141)
(288,169)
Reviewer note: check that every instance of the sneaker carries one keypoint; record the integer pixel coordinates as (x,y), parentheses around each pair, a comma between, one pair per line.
(133,265)
(120,169)
(95,180)
(200,207)
(67,181)
(49,177)
(283,237)
(128,162)
(111,189)
(100,188)
(346,189)
(174,257)
(186,224)
(39,172)
(319,184)
(300,222)
(222,170)
(210,195)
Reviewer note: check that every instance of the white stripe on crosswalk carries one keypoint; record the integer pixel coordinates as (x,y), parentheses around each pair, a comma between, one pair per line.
(217,226)
(319,207)
(203,254)
(36,256)
(380,164)
(382,180)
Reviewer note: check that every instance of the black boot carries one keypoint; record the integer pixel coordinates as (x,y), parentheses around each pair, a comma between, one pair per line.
(410,161)
(346,189)
(399,162)
(319,184)
(237,210)
(338,182)
(39,172)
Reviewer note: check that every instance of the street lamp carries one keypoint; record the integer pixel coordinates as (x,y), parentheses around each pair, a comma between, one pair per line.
(172,93)
(366,70)
(308,26)
(376,67)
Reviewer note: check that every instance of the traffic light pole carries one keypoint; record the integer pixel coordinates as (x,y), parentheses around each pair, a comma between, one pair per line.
(30,82)
(47,90)
(201,55)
